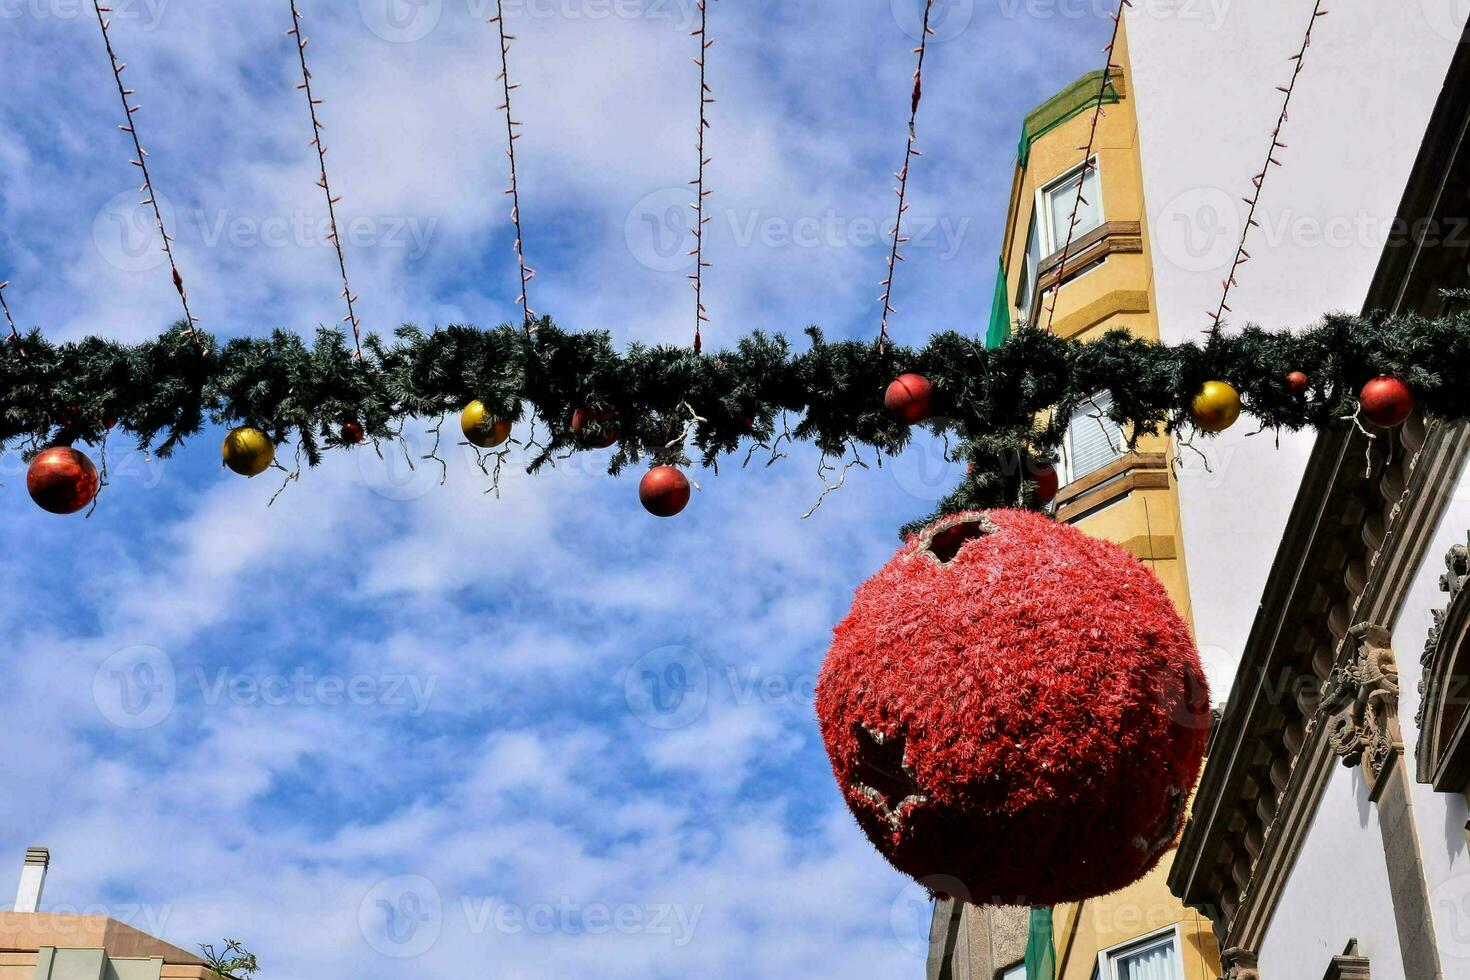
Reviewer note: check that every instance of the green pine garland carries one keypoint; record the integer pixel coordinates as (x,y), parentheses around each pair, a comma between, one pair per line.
(996,402)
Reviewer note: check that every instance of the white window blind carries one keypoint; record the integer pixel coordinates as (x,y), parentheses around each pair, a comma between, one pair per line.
(1017,972)
(1093,439)
(1151,959)
(1160,962)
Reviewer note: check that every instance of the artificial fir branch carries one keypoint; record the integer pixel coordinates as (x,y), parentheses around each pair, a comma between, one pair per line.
(1001,406)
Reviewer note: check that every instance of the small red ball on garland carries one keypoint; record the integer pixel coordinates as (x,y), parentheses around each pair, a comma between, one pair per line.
(1018,706)
(1297,383)
(583,419)
(62,480)
(1046,481)
(353,433)
(1387,401)
(910,399)
(664,491)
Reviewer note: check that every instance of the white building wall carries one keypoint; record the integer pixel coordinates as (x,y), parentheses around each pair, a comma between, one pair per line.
(1204,77)
(1337,892)
(1439,817)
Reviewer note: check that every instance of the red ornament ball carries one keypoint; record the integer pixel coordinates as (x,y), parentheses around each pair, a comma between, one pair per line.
(1018,707)
(910,399)
(582,422)
(1297,383)
(664,491)
(62,480)
(1046,480)
(353,433)
(1387,401)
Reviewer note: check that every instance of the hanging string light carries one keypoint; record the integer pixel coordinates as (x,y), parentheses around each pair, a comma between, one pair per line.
(910,151)
(514,192)
(706,99)
(321,154)
(14,337)
(1088,166)
(1259,180)
(141,162)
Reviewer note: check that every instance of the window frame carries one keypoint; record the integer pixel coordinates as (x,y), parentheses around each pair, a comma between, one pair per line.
(1006,971)
(1107,958)
(1030,277)
(1042,205)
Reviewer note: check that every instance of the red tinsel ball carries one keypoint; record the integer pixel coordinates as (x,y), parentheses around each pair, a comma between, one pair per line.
(353,433)
(1297,383)
(62,480)
(1387,401)
(1016,706)
(583,419)
(664,491)
(910,399)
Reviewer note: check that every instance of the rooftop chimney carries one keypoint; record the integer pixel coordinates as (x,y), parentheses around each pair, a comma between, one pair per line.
(32,879)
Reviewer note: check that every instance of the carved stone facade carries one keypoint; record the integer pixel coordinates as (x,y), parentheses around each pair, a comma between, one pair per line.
(1361,704)
(1240,964)
(1443,719)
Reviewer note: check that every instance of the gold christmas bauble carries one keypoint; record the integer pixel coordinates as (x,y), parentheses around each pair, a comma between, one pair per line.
(480,428)
(1216,407)
(248,451)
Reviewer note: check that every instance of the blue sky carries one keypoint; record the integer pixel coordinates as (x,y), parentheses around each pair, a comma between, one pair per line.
(391,728)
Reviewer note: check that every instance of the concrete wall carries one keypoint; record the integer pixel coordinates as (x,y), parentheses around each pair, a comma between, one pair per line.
(1338,892)
(1204,77)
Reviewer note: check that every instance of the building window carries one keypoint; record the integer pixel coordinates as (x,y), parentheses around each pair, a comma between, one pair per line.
(1154,958)
(1093,440)
(1017,972)
(1030,264)
(1058,198)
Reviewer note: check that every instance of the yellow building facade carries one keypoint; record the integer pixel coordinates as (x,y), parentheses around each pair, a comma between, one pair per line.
(1128,497)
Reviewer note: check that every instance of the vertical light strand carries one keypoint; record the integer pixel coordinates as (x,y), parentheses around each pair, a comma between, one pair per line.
(911,150)
(321,155)
(1088,166)
(14,337)
(1259,180)
(141,162)
(706,99)
(514,191)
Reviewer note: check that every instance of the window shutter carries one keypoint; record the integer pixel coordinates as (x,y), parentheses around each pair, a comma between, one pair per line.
(1094,440)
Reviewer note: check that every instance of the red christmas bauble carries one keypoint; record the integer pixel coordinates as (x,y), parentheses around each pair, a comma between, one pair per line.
(1387,401)
(62,480)
(664,491)
(910,399)
(353,433)
(1047,482)
(1297,383)
(1018,707)
(583,419)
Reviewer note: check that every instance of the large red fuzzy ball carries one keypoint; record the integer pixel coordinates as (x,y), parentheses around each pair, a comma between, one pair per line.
(1015,711)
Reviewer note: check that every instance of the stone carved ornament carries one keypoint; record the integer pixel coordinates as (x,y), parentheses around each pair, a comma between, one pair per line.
(1240,964)
(1457,573)
(1361,703)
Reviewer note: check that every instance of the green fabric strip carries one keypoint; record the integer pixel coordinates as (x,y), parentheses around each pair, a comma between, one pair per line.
(1041,957)
(1000,311)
